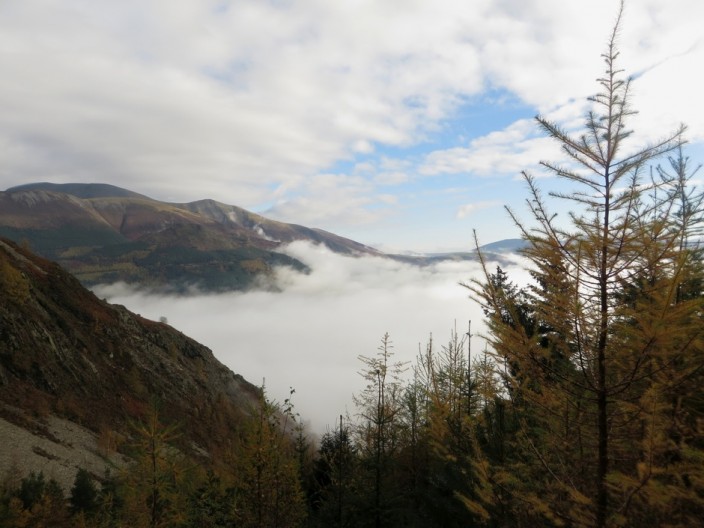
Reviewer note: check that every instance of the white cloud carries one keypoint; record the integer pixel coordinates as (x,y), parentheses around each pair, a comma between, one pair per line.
(471,208)
(391,178)
(310,335)
(507,151)
(332,200)
(186,99)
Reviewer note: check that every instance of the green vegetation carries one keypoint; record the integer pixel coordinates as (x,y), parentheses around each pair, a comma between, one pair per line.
(53,243)
(179,269)
(13,286)
(175,268)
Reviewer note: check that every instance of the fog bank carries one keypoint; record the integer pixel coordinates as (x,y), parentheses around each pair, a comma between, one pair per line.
(309,335)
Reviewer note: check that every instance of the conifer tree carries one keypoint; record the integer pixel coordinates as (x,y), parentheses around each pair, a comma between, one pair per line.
(267,491)
(154,487)
(84,495)
(379,434)
(211,504)
(594,371)
(38,503)
(455,465)
(335,472)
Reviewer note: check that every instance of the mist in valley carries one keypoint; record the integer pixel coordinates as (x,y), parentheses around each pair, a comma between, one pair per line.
(309,334)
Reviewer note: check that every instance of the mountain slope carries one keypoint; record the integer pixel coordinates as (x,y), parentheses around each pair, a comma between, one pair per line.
(67,357)
(105,234)
(102,233)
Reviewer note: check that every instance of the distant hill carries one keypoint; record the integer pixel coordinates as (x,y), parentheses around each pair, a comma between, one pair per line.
(496,250)
(509,245)
(104,234)
(75,371)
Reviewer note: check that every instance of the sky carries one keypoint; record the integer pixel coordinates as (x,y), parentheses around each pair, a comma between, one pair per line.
(403,124)
(309,335)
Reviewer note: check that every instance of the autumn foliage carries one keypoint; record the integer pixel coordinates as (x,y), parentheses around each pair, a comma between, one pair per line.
(585,408)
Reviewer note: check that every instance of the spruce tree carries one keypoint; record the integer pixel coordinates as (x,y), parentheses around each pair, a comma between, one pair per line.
(84,495)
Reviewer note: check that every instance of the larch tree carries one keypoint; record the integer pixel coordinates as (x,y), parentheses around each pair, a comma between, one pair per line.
(154,485)
(379,434)
(455,473)
(267,488)
(597,369)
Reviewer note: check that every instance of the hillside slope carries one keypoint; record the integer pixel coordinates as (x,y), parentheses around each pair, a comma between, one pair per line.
(69,360)
(104,234)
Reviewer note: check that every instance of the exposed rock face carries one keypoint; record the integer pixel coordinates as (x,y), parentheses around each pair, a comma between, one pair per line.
(55,447)
(66,354)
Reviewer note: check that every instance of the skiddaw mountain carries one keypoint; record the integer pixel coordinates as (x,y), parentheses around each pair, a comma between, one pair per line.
(105,234)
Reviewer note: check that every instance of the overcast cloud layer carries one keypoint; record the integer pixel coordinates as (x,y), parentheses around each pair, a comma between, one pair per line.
(309,336)
(393,122)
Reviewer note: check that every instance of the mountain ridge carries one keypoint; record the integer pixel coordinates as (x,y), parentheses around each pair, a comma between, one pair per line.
(102,234)
(80,190)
